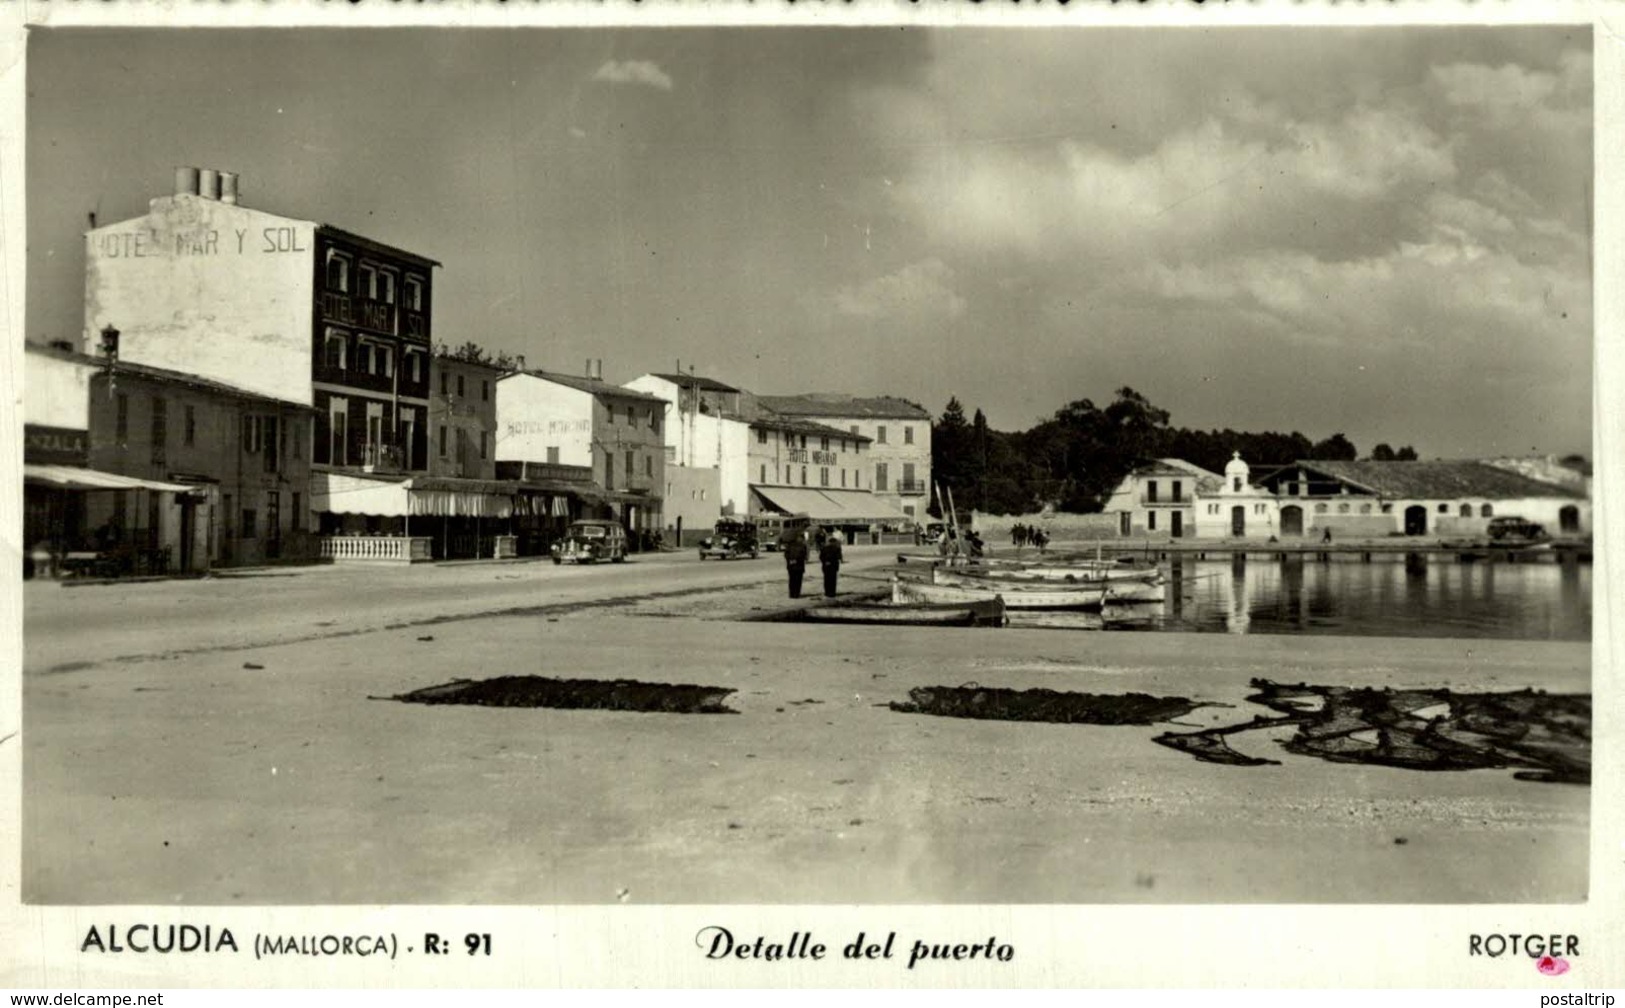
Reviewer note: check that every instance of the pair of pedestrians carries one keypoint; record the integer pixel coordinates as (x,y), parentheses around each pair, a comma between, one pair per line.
(796,553)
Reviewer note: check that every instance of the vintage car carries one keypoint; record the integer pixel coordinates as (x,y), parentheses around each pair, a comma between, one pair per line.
(732,538)
(1509,529)
(590,542)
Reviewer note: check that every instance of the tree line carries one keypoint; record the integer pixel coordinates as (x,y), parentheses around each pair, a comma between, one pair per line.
(1076,458)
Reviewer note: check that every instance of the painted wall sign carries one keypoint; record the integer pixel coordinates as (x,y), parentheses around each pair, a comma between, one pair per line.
(55,445)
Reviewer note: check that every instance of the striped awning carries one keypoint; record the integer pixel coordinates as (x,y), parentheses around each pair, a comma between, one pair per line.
(829,507)
(77,478)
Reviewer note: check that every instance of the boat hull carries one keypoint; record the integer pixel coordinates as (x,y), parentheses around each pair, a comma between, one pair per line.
(978,612)
(1115,591)
(1014,597)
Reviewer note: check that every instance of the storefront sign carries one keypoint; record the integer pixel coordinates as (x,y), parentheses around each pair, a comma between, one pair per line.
(55,445)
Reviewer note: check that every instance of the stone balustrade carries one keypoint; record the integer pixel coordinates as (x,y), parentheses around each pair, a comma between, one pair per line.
(377,549)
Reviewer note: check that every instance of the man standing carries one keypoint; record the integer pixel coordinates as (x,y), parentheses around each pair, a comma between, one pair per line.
(829,557)
(795,559)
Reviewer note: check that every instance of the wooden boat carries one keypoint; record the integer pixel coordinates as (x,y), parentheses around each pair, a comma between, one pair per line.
(1070,574)
(1014,596)
(976,612)
(1144,588)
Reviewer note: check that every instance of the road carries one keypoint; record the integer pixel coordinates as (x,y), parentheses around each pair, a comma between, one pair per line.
(244,755)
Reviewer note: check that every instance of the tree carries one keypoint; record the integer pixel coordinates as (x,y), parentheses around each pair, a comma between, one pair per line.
(1337,447)
(1382,453)
(1405,454)
(950,441)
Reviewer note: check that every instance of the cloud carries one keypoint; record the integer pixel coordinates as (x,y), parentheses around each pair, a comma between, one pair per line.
(634,72)
(919,290)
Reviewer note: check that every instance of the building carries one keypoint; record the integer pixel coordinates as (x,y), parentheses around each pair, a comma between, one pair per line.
(462,418)
(899,437)
(707,451)
(1159,497)
(155,470)
(303,312)
(616,434)
(798,466)
(1439,498)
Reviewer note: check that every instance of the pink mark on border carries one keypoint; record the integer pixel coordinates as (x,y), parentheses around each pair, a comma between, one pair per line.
(1552,965)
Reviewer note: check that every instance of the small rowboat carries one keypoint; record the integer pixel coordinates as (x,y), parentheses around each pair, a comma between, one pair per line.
(1145,588)
(976,612)
(1014,596)
(1070,574)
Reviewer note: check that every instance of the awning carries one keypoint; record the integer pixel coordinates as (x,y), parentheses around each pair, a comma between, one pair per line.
(76,478)
(341,493)
(830,507)
(452,497)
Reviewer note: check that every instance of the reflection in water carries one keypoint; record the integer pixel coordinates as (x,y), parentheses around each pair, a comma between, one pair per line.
(1413,598)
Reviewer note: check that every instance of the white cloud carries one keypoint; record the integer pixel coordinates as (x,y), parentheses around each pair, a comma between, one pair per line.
(634,72)
(919,290)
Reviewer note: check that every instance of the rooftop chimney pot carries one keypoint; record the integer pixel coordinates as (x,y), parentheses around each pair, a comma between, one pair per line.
(228,187)
(186,179)
(208,183)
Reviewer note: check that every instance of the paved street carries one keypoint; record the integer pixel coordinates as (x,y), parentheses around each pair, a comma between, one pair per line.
(243,755)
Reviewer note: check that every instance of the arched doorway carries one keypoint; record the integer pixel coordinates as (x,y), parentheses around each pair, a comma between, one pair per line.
(1238,520)
(1568,519)
(1292,520)
(1416,520)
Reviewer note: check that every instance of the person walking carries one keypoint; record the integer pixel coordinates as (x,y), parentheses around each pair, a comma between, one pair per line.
(829,557)
(795,560)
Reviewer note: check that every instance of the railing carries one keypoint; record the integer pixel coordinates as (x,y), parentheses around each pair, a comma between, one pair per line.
(376,549)
(911,486)
(1178,501)
(382,458)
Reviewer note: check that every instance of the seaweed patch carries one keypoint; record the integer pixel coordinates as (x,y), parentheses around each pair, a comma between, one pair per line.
(575,694)
(974,701)
(1546,736)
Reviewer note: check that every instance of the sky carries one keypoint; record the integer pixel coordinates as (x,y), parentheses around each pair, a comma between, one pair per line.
(1384,232)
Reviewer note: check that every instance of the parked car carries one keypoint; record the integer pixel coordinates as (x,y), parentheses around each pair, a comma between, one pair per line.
(732,538)
(590,542)
(1509,528)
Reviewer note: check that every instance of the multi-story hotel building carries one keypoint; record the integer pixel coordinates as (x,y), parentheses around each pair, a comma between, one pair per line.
(899,435)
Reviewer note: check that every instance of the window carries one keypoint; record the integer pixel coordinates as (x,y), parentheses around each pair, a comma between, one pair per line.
(823,475)
(852,429)
(484,443)
(160,432)
(296,435)
(1365,508)
(338,412)
(363,356)
(442,440)
(631,418)
(654,421)
(273,514)
(1178,492)
(631,463)
(880,434)
(414,293)
(121,422)
(763,477)
(367,282)
(384,357)
(414,366)
(908,476)
(553,455)
(803,475)
(823,444)
(459,386)
(843,477)
(252,435)
(386,286)
(1485,511)
(1151,520)
(296,520)
(272,435)
(1466,510)
(761,435)
(338,272)
(1387,509)
(443,383)
(648,465)
(334,350)
(882,479)
(1444,508)
(485,390)
(248,526)
(1235,484)
(1258,509)
(189,426)
(1343,508)
(908,435)
(1320,509)
(1151,491)
(407,435)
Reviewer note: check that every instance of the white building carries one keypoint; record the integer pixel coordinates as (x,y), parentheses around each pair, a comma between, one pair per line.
(899,434)
(1159,498)
(707,450)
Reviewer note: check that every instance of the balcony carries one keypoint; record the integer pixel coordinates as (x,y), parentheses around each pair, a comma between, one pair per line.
(1158,500)
(911,487)
(382,458)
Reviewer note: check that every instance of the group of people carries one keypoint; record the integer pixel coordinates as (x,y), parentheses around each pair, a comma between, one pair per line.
(1028,535)
(796,551)
(957,546)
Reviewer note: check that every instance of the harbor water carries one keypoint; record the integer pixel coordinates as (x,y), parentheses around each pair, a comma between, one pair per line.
(1419,597)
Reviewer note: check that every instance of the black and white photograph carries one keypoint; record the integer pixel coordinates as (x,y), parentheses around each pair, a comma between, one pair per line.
(915,465)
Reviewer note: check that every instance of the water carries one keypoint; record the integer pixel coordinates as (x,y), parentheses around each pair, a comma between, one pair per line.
(1437,597)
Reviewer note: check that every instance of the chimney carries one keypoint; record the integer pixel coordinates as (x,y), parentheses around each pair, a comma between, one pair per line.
(208,183)
(598,369)
(228,187)
(185,180)
(589,367)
